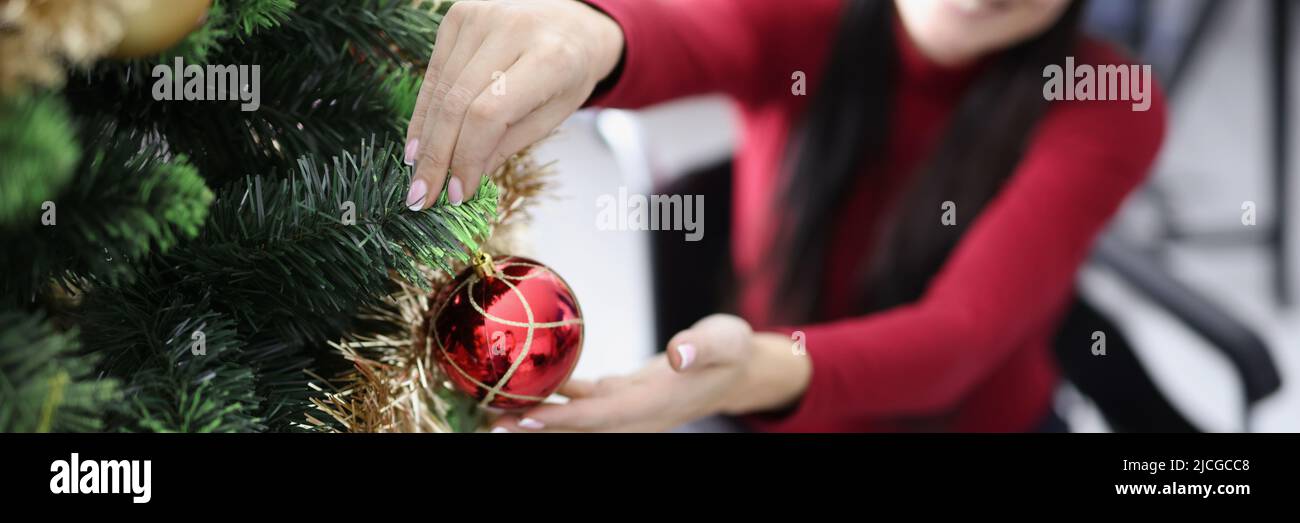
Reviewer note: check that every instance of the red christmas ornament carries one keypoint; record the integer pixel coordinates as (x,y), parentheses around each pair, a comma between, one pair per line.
(506,332)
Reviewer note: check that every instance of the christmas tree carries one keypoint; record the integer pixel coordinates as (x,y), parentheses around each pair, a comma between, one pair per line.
(175,261)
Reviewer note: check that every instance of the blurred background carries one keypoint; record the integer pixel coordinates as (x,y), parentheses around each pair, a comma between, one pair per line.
(1206,303)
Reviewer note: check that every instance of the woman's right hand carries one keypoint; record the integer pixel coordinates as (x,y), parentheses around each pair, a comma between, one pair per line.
(503,74)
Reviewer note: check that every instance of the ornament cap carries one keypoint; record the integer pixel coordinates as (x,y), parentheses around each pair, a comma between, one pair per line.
(483,265)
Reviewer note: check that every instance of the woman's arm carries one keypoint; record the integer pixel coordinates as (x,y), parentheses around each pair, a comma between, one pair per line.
(1003,283)
(505,73)
(747,49)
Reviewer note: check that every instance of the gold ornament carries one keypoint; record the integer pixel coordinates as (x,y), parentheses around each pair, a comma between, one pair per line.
(154,26)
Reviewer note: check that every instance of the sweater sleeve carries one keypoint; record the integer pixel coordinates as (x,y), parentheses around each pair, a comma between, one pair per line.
(1004,281)
(748,49)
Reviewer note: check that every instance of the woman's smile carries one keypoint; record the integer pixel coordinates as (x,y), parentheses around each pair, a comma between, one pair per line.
(979,8)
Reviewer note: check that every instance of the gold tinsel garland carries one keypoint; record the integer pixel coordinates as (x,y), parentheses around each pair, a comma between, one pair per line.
(395,386)
(39,38)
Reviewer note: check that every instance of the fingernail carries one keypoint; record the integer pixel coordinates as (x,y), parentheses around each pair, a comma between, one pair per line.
(500,430)
(455,193)
(686,352)
(411,148)
(531,424)
(415,198)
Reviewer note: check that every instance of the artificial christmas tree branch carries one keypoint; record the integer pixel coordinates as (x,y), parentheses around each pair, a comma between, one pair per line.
(128,201)
(214,313)
(183,365)
(306,107)
(284,263)
(394,385)
(46,385)
(333,74)
(40,152)
(284,254)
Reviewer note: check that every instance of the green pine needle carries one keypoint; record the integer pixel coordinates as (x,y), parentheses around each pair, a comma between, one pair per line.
(256,15)
(280,267)
(38,151)
(45,385)
(183,366)
(308,226)
(127,202)
(292,254)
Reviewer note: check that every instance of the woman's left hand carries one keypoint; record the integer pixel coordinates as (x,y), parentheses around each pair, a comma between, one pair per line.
(700,376)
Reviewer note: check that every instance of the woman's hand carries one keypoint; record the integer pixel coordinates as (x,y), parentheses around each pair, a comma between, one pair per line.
(503,74)
(718,366)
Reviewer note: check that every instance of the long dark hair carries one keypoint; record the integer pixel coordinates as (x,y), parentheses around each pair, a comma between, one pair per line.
(846,127)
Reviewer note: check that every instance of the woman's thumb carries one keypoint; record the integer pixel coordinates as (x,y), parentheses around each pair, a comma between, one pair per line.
(708,342)
(683,355)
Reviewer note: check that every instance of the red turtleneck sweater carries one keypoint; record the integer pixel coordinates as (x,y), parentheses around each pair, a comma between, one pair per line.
(972,354)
